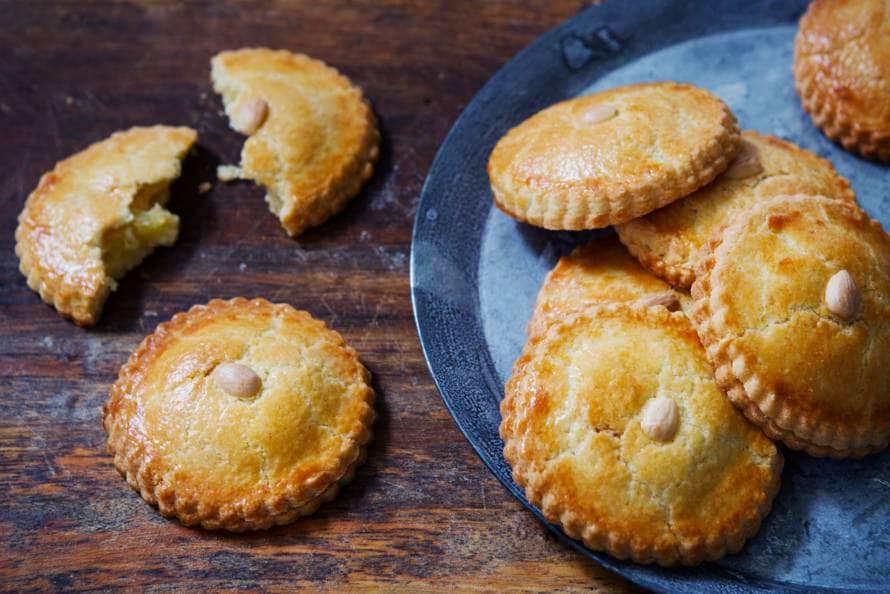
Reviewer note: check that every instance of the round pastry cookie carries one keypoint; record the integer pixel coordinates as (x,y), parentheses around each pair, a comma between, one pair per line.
(600,271)
(97,214)
(612,156)
(240,415)
(668,240)
(842,72)
(313,138)
(792,303)
(617,431)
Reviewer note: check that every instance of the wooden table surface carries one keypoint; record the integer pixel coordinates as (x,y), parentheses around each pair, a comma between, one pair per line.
(423,513)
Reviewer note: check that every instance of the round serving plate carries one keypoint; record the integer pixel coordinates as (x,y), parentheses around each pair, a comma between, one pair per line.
(475,272)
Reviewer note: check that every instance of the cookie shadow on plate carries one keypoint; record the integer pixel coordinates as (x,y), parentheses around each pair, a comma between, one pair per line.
(555,244)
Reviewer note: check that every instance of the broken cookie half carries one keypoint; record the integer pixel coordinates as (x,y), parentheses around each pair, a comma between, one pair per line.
(97,214)
(313,138)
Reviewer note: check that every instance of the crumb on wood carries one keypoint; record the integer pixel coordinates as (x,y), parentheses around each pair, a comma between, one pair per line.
(204,187)
(227,173)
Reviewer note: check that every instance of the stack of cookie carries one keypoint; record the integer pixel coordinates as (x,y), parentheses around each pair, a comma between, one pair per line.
(638,416)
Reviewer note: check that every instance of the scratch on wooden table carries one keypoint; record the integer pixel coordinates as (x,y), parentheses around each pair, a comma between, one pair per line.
(43,449)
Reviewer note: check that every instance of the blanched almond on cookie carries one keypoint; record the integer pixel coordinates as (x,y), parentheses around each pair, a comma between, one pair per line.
(313,137)
(660,419)
(237,380)
(599,113)
(577,165)
(248,114)
(746,163)
(842,296)
(668,300)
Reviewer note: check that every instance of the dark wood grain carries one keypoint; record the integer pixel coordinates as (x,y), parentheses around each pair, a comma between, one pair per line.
(423,513)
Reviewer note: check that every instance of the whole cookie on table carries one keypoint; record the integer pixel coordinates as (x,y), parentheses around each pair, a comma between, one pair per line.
(792,303)
(312,137)
(609,157)
(240,415)
(617,431)
(97,214)
(600,271)
(842,72)
(668,240)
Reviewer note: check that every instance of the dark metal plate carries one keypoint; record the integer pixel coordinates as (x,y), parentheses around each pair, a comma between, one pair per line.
(475,272)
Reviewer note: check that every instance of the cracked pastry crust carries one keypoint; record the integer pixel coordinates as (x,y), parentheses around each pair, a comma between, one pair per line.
(317,146)
(610,157)
(668,240)
(572,433)
(223,462)
(599,272)
(842,72)
(807,377)
(97,214)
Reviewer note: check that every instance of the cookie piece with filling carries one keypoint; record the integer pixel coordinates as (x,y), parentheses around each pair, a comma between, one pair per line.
(615,428)
(792,302)
(668,240)
(240,415)
(97,214)
(599,272)
(612,156)
(312,137)
(842,72)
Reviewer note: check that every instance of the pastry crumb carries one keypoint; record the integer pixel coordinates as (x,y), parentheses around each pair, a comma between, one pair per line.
(204,187)
(227,173)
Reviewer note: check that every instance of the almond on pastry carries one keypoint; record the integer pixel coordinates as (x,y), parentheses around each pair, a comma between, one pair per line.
(612,156)
(668,240)
(792,303)
(312,137)
(600,271)
(616,429)
(240,415)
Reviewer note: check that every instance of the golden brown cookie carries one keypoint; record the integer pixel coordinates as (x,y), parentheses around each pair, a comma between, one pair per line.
(792,303)
(313,138)
(842,72)
(613,156)
(668,240)
(617,431)
(599,272)
(97,214)
(240,415)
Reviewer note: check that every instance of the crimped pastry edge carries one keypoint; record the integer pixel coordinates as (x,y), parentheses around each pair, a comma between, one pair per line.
(340,189)
(683,275)
(576,213)
(678,276)
(271,511)
(762,406)
(68,303)
(871,144)
(599,537)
